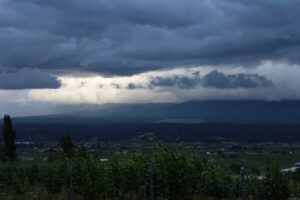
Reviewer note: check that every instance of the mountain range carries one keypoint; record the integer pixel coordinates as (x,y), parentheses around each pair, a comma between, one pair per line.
(244,112)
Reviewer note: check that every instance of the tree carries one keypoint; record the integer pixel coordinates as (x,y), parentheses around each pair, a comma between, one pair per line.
(90,175)
(294,188)
(216,182)
(275,185)
(66,144)
(9,136)
(296,175)
(55,177)
(254,188)
(177,171)
(2,153)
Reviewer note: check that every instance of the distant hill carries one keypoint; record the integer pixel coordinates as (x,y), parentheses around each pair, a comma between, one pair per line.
(245,112)
(250,121)
(165,131)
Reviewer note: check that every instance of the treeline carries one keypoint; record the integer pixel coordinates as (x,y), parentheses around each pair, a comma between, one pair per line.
(166,171)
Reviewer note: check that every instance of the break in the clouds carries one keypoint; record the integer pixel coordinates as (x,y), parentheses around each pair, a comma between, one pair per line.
(126,37)
(266,82)
(280,82)
(27,79)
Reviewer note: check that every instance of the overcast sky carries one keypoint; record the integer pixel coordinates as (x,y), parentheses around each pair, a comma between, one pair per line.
(58,53)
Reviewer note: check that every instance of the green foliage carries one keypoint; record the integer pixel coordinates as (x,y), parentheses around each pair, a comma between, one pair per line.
(235,168)
(55,178)
(127,175)
(255,170)
(217,182)
(177,171)
(88,174)
(9,136)
(275,185)
(294,189)
(296,175)
(254,188)
(21,184)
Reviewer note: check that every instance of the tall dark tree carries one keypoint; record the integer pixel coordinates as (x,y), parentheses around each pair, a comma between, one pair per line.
(66,144)
(9,136)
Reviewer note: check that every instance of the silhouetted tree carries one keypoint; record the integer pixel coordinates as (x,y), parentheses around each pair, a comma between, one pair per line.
(66,144)
(2,153)
(9,136)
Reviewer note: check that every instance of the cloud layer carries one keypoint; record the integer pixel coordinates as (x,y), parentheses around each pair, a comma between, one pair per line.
(27,79)
(140,51)
(126,37)
(268,82)
(213,79)
(217,79)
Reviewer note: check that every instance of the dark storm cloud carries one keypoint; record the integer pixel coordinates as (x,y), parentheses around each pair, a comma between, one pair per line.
(27,79)
(180,82)
(127,37)
(214,79)
(217,79)
(132,86)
